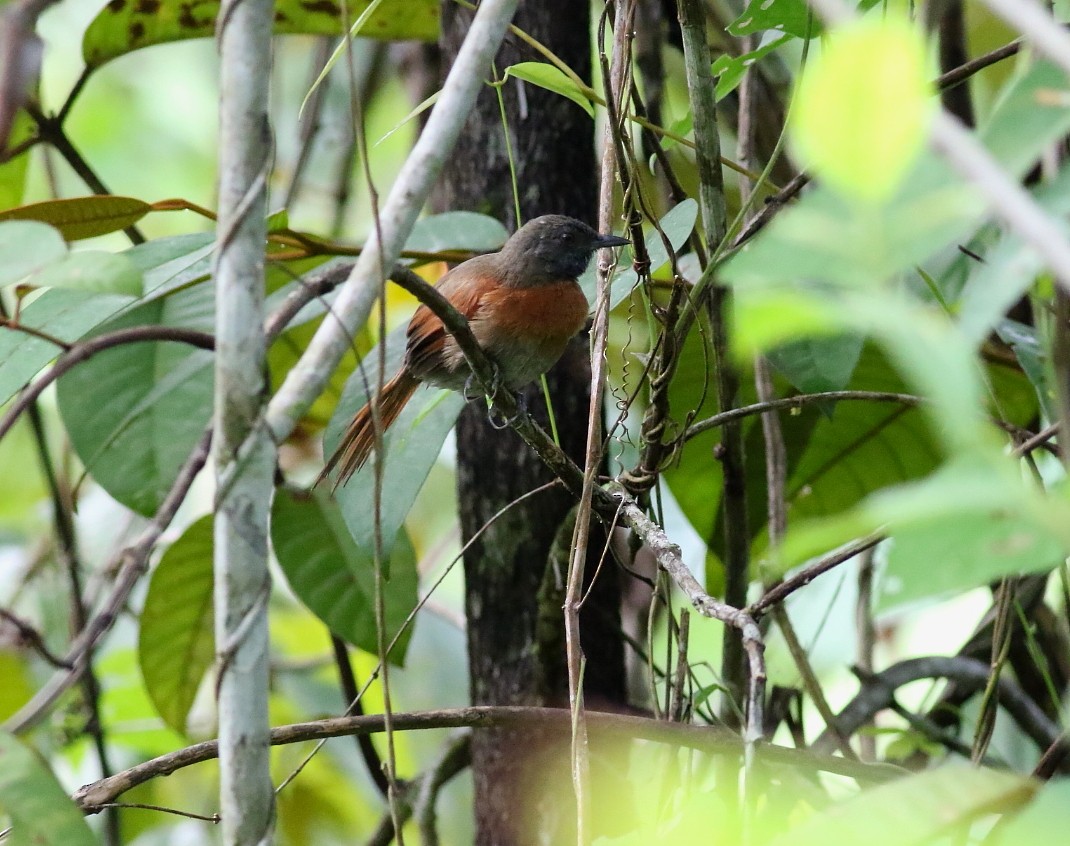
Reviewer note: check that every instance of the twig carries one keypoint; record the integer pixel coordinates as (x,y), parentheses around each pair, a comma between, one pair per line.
(794,402)
(84,350)
(29,635)
(372,762)
(778,593)
(92,796)
(668,557)
(130,566)
(212,818)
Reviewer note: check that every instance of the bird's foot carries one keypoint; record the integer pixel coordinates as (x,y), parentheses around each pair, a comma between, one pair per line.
(473,390)
(500,421)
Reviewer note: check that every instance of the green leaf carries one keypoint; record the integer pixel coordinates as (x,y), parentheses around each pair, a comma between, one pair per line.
(176,641)
(457,230)
(862,110)
(41,812)
(127,25)
(92,270)
(422,107)
(553,79)
(914,810)
(677,224)
(135,412)
(1044,820)
(790,16)
(64,314)
(730,69)
(27,246)
(335,577)
(824,237)
(815,365)
(948,554)
(83,217)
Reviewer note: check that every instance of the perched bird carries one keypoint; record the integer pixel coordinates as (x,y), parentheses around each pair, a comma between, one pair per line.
(523,305)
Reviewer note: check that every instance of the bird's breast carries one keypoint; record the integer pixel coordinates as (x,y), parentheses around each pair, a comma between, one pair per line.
(526,329)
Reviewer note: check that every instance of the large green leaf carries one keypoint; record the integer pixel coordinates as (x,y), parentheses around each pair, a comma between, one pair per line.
(1044,820)
(41,812)
(411,446)
(62,313)
(123,26)
(92,270)
(915,810)
(135,411)
(457,230)
(176,640)
(335,577)
(27,246)
(824,237)
(68,314)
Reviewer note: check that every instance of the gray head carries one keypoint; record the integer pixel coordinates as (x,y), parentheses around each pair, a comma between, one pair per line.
(551,248)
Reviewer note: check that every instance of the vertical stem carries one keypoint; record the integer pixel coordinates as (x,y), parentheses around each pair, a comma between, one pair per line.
(700,87)
(243,450)
(867,640)
(593,455)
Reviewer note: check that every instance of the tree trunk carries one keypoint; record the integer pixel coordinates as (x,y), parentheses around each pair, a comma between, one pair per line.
(509,663)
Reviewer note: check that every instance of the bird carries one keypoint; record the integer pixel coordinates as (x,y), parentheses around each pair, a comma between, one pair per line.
(523,305)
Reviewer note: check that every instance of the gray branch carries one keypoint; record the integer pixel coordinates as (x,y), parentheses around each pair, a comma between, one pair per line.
(243,449)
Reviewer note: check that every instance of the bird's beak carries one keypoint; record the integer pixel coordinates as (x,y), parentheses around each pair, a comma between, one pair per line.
(610,241)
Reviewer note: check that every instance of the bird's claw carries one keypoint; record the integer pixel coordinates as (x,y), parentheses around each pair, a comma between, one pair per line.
(473,390)
(499,421)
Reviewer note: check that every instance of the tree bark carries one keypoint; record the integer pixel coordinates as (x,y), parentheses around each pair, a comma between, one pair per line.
(506,569)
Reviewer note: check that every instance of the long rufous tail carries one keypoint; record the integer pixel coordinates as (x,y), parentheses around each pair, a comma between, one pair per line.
(359,438)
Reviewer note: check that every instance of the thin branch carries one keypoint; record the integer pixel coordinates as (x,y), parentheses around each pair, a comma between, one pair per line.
(84,350)
(419,796)
(32,638)
(778,593)
(794,402)
(129,566)
(669,559)
(92,796)
(372,762)
(1038,26)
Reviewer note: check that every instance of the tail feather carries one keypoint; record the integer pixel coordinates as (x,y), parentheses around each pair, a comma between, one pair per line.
(359,438)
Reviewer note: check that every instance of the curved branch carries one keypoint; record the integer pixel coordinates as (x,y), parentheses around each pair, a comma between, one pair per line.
(84,350)
(92,796)
(878,692)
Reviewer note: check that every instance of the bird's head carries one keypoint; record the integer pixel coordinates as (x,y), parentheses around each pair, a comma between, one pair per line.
(551,248)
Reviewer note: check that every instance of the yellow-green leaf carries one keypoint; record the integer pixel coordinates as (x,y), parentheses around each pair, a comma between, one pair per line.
(83,217)
(863,108)
(177,641)
(123,26)
(552,79)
